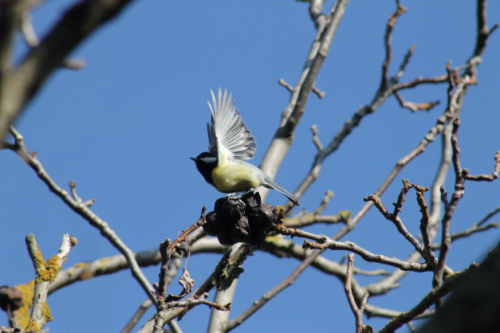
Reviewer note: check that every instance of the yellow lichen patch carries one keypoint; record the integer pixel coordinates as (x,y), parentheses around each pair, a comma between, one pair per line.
(102,264)
(47,271)
(279,210)
(73,240)
(33,327)
(23,314)
(346,215)
(80,265)
(274,239)
(46,312)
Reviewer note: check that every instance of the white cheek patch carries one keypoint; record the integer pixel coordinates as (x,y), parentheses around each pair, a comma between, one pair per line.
(209,160)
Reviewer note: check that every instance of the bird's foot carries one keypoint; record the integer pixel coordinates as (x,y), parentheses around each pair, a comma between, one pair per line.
(238,197)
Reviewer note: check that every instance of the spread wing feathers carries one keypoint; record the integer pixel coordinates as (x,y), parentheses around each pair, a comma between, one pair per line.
(227,131)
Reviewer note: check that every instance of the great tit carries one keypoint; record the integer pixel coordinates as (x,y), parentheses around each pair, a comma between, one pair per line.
(230,145)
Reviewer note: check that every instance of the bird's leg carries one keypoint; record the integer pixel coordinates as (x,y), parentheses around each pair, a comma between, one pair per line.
(238,197)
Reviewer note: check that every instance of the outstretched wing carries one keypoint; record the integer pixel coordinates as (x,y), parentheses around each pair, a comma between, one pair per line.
(228,133)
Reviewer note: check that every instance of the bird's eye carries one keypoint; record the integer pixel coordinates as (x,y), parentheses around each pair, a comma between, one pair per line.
(208,159)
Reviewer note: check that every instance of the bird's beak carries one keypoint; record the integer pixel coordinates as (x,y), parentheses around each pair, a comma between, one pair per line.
(194,159)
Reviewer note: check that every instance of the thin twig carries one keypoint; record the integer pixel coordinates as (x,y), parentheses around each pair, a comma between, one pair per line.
(472,230)
(449,206)
(424,222)
(283,138)
(237,258)
(152,257)
(198,301)
(428,300)
(83,210)
(317,143)
(286,85)
(282,230)
(113,264)
(367,255)
(137,316)
(375,311)
(309,219)
(166,250)
(454,104)
(489,216)
(414,107)
(388,41)
(75,25)
(489,178)
(379,98)
(358,312)
(394,218)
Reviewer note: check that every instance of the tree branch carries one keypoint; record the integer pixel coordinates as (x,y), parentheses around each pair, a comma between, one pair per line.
(367,255)
(84,211)
(291,116)
(358,312)
(76,24)
(428,300)
(46,272)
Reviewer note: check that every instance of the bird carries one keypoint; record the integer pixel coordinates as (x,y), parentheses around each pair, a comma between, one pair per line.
(230,145)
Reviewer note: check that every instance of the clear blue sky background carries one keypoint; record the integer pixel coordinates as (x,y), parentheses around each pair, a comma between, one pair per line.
(125,126)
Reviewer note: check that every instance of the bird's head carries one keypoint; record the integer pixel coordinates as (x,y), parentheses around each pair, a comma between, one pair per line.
(205,162)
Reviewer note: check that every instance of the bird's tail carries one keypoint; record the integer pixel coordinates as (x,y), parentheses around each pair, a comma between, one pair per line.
(271,184)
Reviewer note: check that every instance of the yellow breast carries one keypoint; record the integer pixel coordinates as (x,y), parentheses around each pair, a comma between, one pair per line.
(234,177)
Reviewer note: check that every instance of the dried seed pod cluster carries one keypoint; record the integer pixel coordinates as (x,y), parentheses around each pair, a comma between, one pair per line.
(234,222)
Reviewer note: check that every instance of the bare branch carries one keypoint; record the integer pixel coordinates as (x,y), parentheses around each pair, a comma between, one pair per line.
(315,138)
(76,24)
(472,230)
(286,85)
(405,62)
(449,206)
(137,316)
(489,178)
(309,219)
(424,222)
(282,230)
(375,311)
(388,41)
(233,323)
(419,81)
(358,312)
(113,264)
(83,210)
(304,219)
(353,122)
(281,247)
(489,216)
(483,32)
(394,218)
(46,272)
(413,106)
(201,300)
(368,256)
(166,251)
(235,258)
(318,92)
(428,300)
(293,113)
(171,272)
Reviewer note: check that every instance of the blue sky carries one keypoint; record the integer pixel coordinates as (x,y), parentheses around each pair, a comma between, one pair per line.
(124,128)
